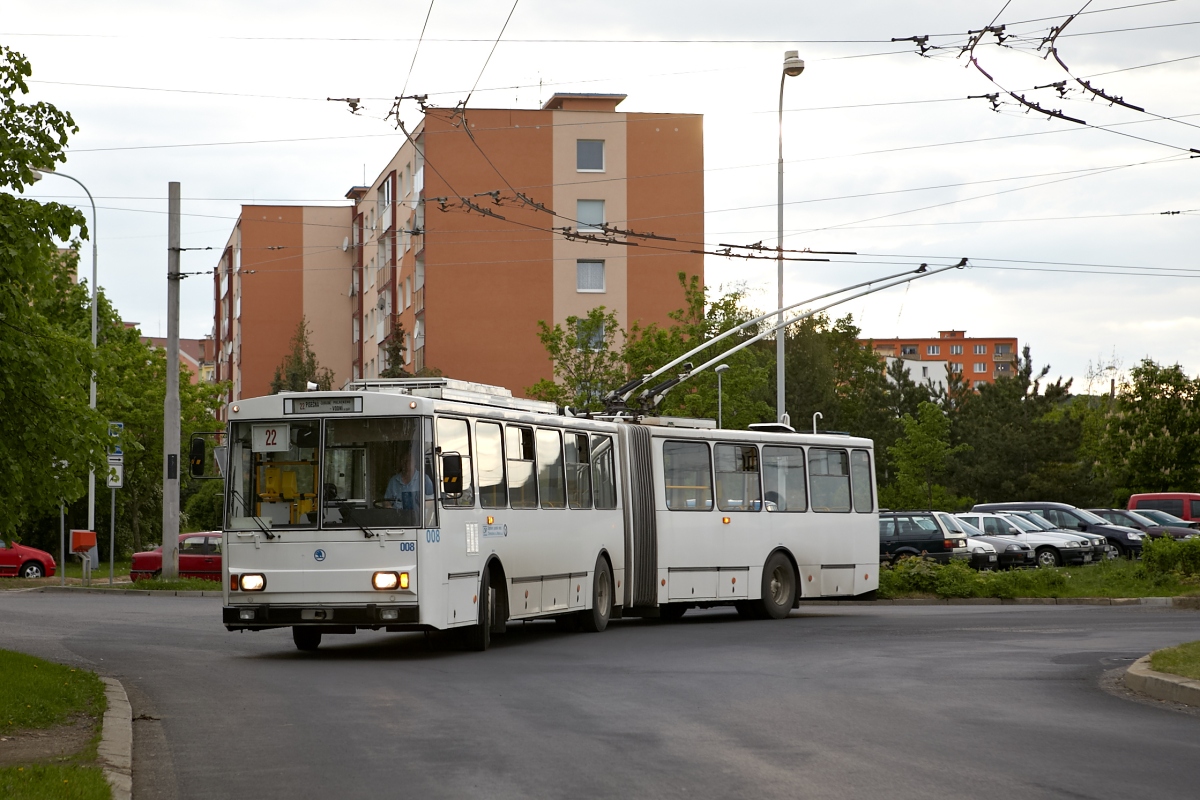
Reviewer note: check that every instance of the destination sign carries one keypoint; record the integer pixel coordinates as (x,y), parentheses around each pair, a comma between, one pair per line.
(323,405)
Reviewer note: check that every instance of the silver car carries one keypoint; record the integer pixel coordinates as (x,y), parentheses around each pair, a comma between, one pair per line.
(1051,549)
(1100,547)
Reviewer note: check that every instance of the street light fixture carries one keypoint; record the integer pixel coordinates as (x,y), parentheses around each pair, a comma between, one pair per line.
(719,369)
(37,176)
(793,65)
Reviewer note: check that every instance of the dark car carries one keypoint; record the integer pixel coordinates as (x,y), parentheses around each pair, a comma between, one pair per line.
(1163,518)
(19,561)
(918,533)
(1126,541)
(199,557)
(1140,522)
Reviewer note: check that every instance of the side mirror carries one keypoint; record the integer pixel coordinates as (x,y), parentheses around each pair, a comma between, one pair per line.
(452,474)
(196,457)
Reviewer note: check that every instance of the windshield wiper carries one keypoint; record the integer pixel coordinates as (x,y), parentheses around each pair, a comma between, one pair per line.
(257,522)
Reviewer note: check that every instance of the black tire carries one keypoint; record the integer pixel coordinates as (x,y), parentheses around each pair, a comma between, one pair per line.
(478,637)
(778,587)
(1048,558)
(596,618)
(32,569)
(672,612)
(306,637)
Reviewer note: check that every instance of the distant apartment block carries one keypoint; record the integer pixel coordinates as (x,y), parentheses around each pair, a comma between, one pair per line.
(976,360)
(480,226)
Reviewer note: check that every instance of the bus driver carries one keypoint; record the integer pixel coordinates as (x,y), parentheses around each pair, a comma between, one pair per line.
(402,490)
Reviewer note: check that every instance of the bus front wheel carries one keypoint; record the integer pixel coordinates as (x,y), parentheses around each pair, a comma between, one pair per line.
(479,636)
(306,637)
(596,618)
(778,587)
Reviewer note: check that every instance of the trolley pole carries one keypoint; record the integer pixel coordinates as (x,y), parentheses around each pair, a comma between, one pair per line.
(170,528)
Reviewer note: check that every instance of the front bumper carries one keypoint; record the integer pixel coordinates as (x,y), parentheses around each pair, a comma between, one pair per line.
(1076,557)
(1015,559)
(985,560)
(371,616)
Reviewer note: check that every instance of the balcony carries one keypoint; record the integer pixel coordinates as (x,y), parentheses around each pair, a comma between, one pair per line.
(1008,358)
(418,300)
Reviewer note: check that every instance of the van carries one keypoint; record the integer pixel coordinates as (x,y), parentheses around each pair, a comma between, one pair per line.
(1185,505)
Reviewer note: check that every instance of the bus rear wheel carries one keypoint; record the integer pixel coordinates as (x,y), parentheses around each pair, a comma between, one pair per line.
(778,587)
(596,618)
(307,638)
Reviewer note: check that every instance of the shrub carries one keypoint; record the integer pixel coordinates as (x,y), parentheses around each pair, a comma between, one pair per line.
(1165,555)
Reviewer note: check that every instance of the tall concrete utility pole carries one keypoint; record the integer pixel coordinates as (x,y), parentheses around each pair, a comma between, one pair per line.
(170,527)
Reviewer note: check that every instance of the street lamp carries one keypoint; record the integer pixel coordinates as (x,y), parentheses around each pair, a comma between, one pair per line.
(719,369)
(793,65)
(37,176)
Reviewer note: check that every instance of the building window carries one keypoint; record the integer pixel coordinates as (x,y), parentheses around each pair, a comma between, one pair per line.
(955,366)
(956,349)
(908,349)
(977,384)
(933,350)
(1001,368)
(589,276)
(590,214)
(924,372)
(980,366)
(589,155)
(1003,349)
(981,349)
(589,334)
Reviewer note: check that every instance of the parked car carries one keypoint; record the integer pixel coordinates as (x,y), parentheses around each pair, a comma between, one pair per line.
(1051,549)
(1135,520)
(1127,541)
(1185,505)
(1163,518)
(19,561)
(199,557)
(1031,522)
(917,533)
(1009,554)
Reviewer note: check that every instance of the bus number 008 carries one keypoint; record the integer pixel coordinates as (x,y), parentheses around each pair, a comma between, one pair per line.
(433,536)
(407,546)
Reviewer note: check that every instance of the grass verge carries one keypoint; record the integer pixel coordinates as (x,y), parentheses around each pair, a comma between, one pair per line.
(1182,660)
(180,585)
(54,782)
(39,694)
(35,693)
(1116,578)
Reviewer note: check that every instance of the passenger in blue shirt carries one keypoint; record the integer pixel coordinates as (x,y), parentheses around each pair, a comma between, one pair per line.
(402,490)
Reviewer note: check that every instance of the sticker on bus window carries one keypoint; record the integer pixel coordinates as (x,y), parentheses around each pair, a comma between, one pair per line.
(271,439)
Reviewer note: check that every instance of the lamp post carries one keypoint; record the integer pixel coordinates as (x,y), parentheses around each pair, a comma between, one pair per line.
(37,176)
(792,66)
(719,369)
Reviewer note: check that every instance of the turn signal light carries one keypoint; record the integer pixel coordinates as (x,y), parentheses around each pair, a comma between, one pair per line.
(403,580)
(253,582)
(233,583)
(385,581)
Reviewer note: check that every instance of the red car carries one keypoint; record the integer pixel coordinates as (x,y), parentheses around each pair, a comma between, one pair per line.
(199,557)
(19,561)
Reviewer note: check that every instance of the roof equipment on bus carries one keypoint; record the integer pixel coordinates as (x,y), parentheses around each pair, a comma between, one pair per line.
(450,389)
(653,396)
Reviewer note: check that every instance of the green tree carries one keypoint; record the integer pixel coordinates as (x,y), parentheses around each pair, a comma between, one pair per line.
(921,458)
(1150,436)
(586,355)
(394,352)
(299,367)
(49,437)
(702,319)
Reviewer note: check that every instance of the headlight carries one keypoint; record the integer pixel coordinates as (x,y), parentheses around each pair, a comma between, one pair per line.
(1135,537)
(1071,544)
(978,550)
(385,580)
(1013,547)
(253,582)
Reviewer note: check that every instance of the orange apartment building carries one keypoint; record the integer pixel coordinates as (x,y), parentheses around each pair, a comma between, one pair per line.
(977,360)
(460,240)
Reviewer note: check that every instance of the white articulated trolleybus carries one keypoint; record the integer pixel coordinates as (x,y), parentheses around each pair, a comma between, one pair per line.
(415,504)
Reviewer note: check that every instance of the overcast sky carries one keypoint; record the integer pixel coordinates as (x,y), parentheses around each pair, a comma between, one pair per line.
(1063,224)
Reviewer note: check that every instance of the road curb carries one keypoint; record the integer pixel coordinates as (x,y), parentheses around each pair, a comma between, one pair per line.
(116,741)
(1161,685)
(136,592)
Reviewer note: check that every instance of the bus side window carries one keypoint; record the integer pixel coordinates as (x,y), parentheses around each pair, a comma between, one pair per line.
(737,477)
(452,437)
(522,474)
(604,478)
(829,476)
(579,478)
(860,478)
(687,476)
(783,479)
(489,439)
(550,469)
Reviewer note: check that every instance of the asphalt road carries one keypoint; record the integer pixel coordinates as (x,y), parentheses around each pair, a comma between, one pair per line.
(846,702)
